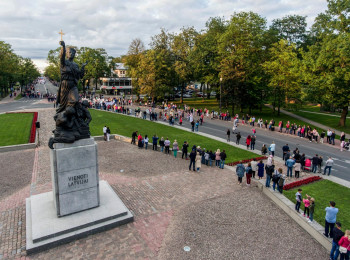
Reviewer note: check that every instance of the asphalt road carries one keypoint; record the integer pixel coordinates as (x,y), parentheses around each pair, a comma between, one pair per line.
(341,167)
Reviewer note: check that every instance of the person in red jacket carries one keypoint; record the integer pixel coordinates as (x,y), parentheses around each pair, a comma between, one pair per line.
(344,246)
(248,140)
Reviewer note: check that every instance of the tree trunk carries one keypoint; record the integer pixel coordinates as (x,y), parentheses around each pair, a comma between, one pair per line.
(182,93)
(344,113)
(274,102)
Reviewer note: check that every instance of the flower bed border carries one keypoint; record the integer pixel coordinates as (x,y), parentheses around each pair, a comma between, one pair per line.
(301,182)
(247,160)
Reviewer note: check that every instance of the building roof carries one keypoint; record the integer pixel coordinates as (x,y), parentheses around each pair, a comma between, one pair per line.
(120,66)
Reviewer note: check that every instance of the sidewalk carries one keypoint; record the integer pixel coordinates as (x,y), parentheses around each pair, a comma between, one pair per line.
(307,120)
(7,99)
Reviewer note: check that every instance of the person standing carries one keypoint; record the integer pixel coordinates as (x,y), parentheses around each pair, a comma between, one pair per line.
(290,163)
(344,246)
(167,146)
(320,162)
(261,169)
(281,181)
(161,144)
(193,159)
(252,142)
(342,141)
(192,125)
(330,219)
(154,142)
(198,161)
(184,150)
(314,163)
(228,133)
(133,137)
(272,148)
(297,168)
(254,165)
(248,171)
(337,235)
(238,138)
(222,159)
(329,134)
(104,129)
(146,142)
(329,164)
(298,198)
(285,149)
(175,148)
(240,172)
(312,209)
(333,137)
(108,132)
(217,158)
(247,141)
(139,141)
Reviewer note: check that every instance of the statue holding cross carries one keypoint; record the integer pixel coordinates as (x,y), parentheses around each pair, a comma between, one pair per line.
(72,117)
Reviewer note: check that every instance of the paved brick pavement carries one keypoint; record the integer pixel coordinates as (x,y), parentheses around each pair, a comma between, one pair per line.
(173,207)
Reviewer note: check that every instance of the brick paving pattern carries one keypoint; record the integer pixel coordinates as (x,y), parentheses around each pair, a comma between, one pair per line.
(173,208)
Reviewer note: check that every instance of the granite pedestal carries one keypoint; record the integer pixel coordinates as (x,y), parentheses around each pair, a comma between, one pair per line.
(78,205)
(74,173)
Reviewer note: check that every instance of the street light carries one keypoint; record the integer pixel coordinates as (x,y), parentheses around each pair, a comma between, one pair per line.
(220,92)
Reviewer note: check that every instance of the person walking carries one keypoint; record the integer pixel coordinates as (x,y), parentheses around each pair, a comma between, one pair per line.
(329,164)
(240,172)
(193,154)
(330,219)
(337,235)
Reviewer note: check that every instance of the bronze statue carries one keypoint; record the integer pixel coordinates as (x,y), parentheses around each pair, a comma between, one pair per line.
(72,117)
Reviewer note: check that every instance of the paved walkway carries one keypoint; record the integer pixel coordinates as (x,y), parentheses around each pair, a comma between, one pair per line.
(307,120)
(8,98)
(323,114)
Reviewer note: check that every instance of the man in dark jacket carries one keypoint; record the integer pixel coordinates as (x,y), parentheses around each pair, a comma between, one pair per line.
(315,160)
(238,137)
(154,142)
(184,150)
(337,234)
(193,160)
(133,137)
(223,157)
(285,149)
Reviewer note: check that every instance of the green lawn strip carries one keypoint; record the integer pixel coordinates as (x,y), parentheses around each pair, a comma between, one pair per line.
(326,120)
(15,128)
(325,191)
(19,96)
(124,125)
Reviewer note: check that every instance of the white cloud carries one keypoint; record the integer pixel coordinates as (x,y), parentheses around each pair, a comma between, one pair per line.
(32,27)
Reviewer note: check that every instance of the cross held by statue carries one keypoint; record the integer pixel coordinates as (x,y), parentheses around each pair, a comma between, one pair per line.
(61,34)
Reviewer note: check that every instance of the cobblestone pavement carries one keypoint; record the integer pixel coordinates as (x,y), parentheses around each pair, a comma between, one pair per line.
(173,208)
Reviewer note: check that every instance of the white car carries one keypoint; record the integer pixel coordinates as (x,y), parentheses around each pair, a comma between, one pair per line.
(213,93)
(187,95)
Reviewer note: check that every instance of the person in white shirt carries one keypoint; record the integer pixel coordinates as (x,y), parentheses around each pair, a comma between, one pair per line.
(272,148)
(329,164)
(104,129)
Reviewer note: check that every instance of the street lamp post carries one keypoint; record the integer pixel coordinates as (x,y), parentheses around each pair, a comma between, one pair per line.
(220,92)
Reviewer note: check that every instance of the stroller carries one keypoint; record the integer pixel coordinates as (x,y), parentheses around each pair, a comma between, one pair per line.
(307,166)
(347,145)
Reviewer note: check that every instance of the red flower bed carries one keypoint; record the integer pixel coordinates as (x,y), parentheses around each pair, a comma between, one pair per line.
(301,182)
(33,129)
(248,160)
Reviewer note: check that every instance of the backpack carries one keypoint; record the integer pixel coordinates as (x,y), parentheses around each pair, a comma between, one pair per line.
(280,182)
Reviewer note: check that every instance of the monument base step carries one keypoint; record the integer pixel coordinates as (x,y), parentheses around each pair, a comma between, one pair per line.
(45,230)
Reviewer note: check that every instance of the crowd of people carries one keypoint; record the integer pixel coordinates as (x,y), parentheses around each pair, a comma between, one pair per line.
(198,156)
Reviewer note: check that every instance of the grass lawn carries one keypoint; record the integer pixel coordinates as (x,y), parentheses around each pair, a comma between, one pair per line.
(325,191)
(125,125)
(15,128)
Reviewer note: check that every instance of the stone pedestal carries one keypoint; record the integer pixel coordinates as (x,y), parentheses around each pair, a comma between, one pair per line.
(79,204)
(74,171)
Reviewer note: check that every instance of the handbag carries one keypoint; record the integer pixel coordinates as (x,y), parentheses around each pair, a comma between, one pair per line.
(343,250)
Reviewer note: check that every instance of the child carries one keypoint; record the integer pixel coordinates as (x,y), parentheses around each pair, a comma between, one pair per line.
(298,199)
(306,205)
(312,209)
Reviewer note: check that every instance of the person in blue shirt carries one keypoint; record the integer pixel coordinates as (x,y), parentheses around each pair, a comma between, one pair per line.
(154,142)
(331,218)
(240,169)
(290,163)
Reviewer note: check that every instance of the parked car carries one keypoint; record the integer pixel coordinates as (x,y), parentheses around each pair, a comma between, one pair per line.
(187,95)
(200,94)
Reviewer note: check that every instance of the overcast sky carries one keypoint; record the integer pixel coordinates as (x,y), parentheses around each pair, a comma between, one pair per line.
(32,26)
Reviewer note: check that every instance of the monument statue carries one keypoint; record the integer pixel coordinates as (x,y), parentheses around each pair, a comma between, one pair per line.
(72,117)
